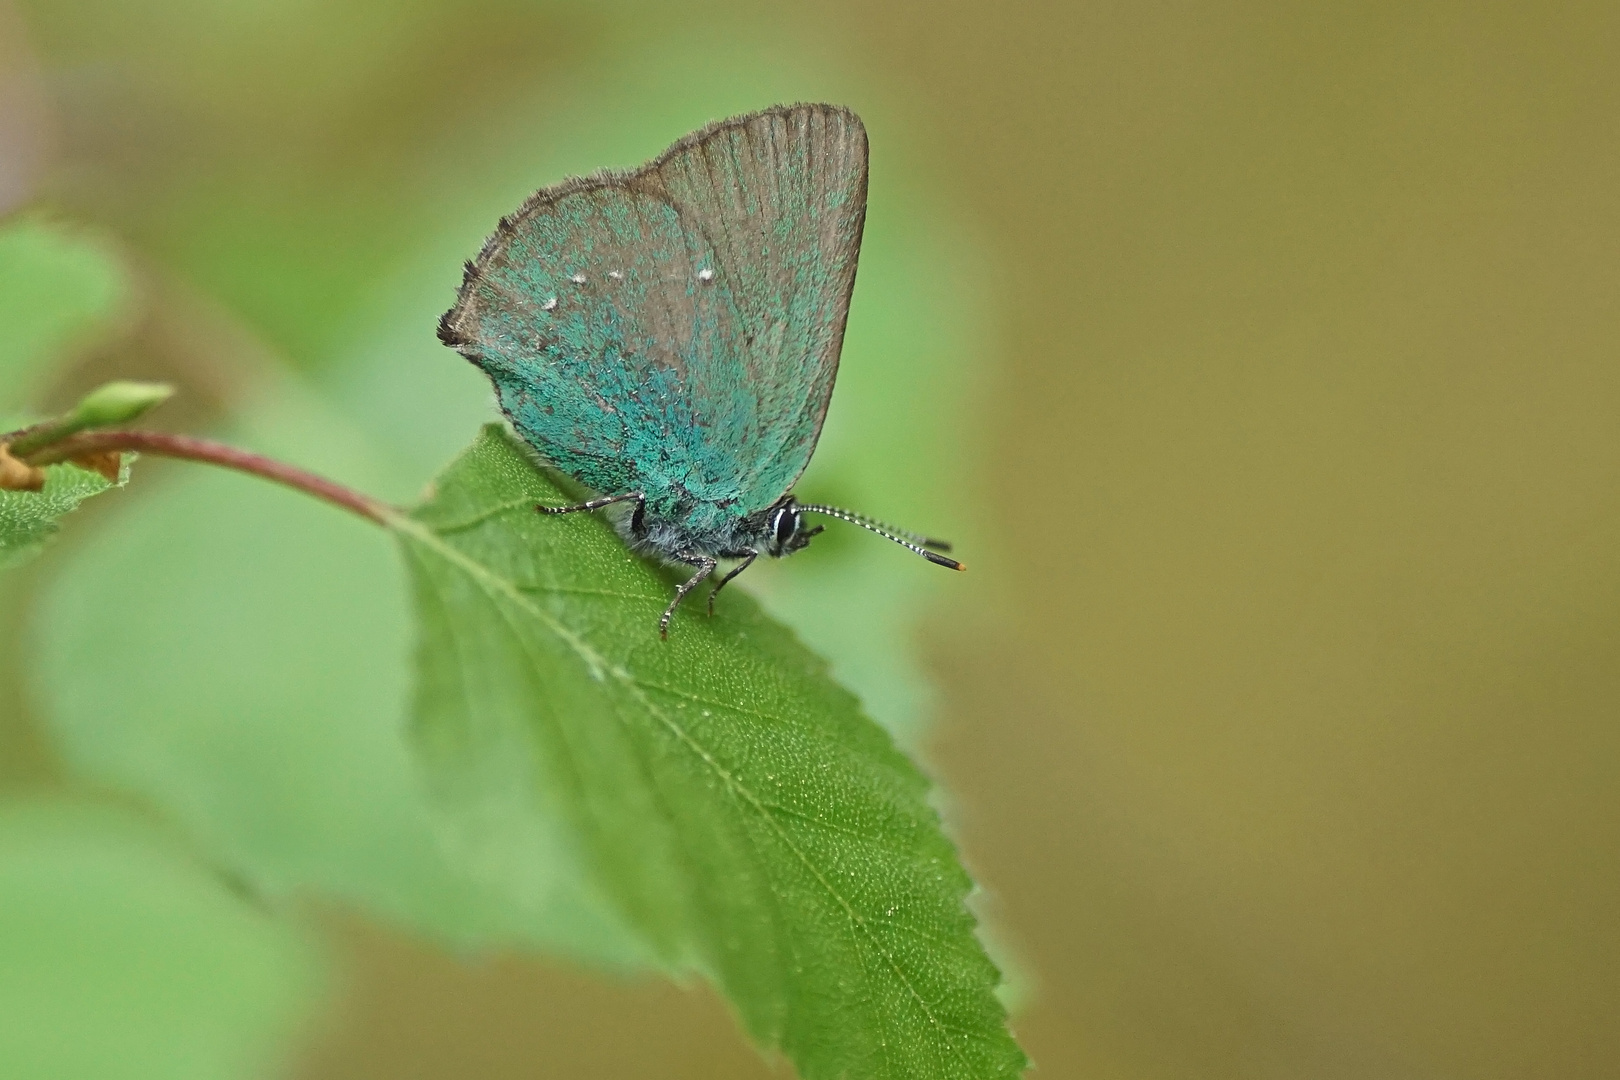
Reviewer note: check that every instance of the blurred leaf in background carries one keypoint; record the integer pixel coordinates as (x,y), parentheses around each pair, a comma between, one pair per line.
(62,288)
(120,956)
(121,959)
(277,742)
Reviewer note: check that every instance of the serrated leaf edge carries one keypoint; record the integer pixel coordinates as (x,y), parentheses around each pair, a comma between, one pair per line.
(493,584)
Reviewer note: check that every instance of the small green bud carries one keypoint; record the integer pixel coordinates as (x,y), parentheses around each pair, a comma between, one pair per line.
(117,403)
(112,403)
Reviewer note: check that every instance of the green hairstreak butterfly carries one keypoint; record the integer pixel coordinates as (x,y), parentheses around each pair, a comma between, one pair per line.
(669,336)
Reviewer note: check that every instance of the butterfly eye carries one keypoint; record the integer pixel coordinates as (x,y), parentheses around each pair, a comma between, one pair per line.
(784,526)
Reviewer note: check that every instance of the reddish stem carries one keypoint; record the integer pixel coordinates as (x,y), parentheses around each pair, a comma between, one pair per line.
(163,444)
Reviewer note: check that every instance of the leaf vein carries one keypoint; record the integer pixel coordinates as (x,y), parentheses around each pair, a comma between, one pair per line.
(594,660)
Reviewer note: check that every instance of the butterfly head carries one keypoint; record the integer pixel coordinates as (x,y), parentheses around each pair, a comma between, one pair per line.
(785,531)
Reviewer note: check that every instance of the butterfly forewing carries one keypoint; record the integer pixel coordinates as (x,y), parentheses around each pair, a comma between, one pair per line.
(676,329)
(781,198)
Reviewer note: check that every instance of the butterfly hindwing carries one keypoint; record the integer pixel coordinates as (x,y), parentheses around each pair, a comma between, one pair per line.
(676,329)
(583,363)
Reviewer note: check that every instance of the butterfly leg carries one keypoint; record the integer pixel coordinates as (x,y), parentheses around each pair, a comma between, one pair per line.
(705,565)
(747,555)
(596,504)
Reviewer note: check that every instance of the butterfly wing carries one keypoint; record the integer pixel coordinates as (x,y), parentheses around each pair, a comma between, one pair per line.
(781,198)
(676,329)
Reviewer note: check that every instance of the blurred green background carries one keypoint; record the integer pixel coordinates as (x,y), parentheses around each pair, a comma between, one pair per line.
(1263,357)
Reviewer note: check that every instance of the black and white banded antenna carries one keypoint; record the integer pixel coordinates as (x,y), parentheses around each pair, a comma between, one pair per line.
(916,542)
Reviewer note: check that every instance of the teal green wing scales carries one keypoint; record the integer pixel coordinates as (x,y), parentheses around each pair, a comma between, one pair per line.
(675,330)
(781,197)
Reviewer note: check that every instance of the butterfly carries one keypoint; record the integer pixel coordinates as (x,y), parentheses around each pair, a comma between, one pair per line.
(669,336)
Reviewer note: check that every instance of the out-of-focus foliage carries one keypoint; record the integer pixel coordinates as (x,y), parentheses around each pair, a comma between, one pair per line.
(278,743)
(60,288)
(122,959)
(120,956)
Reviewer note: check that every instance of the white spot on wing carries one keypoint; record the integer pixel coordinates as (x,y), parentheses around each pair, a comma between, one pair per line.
(615,275)
(705,274)
(549,305)
(577,279)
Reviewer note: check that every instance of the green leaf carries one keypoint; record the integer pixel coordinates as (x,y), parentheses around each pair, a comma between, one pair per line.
(121,959)
(726,797)
(29,518)
(255,686)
